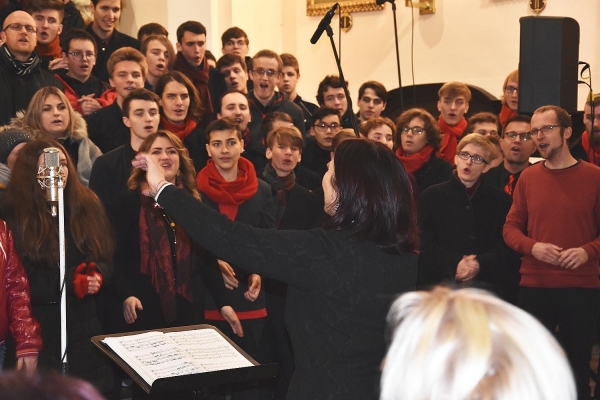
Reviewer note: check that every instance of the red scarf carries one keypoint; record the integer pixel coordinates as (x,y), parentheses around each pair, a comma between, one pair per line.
(199,78)
(228,195)
(414,162)
(51,49)
(450,138)
(505,114)
(593,152)
(156,259)
(181,131)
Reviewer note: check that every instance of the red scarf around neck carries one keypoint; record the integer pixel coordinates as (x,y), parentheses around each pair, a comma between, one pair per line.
(414,162)
(181,131)
(505,114)
(450,138)
(199,78)
(593,152)
(51,49)
(228,195)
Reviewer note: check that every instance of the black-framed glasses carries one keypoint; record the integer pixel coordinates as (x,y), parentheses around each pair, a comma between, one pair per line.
(238,43)
(476,159)
(416,130)
(270,72)
(511,89)
(544,129)
(512,135)
(322,126)
(17,27)
(78,55)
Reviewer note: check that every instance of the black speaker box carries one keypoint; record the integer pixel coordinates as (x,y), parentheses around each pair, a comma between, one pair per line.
(548,63)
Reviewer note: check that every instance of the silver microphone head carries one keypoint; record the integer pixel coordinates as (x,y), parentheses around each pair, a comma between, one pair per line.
(49,175)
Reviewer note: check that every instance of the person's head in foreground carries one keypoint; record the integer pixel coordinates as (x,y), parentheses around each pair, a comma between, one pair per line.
(45,385)
(467,344)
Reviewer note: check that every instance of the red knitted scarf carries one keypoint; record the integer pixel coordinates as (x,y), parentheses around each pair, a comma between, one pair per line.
(415,161)
(450,138)
(228,195)
(181,131)
(505,114)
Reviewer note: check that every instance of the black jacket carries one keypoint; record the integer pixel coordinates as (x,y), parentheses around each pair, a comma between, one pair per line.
(106,128)
(435,170)
(16,91)
(338,296)
(117,41)
(452,226)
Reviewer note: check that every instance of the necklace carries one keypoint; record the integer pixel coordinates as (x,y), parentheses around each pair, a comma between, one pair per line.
(172,225)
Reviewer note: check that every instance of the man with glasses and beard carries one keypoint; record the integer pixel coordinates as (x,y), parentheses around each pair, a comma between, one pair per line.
(21,74)
(554,222)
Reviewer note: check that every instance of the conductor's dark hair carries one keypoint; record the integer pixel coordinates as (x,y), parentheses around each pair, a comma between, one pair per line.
(376,200)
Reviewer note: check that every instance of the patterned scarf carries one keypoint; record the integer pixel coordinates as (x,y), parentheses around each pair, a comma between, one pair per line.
(156,261)
(20,68)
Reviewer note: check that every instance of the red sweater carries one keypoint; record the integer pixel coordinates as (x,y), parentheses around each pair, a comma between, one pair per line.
(561,207)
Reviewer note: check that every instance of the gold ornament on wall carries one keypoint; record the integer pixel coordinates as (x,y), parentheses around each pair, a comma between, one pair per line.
(346,21)
(320,7)
(537,5)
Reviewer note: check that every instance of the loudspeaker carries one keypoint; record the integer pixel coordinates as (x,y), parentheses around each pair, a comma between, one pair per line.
(548,69)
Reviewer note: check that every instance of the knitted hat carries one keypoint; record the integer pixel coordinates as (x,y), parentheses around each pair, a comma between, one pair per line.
(9,139)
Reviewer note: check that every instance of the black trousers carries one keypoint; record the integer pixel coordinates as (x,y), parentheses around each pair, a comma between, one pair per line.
(575,311)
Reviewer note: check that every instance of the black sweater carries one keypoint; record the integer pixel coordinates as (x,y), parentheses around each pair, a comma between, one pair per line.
(338,297)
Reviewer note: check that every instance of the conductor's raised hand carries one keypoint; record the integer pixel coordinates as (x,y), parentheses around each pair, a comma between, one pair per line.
(155,176)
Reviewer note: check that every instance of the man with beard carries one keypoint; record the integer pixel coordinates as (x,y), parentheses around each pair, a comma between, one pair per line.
(554,222)
(517,146)
(21,74)
(590,140)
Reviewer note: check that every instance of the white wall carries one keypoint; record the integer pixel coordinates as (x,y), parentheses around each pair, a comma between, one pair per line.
(475,41)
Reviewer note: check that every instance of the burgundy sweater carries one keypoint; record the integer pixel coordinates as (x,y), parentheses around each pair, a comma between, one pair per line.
(561,207)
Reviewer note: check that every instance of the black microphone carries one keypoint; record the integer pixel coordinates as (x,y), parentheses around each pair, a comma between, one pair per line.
(380,2)
(48,177)
(323,24)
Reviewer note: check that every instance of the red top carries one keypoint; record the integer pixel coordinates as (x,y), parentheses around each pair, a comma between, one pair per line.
(562,207)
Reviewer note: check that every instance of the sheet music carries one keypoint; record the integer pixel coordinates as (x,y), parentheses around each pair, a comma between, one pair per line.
(209,349)
(155,355)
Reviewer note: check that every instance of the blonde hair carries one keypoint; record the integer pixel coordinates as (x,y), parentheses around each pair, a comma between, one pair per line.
(477,139)
(467,344)
(32,120)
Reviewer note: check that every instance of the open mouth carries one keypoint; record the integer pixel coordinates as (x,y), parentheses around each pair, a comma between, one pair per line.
(130,88)
(543,145)
(238,120)
(148,128)
(264,86)
(44,35)
(57,121)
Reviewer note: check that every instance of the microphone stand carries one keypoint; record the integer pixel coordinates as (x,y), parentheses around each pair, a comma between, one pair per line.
(398,56)
(64,366)
(339,66)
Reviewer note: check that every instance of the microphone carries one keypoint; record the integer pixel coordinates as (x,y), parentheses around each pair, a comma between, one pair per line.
(323,24)
(380,2)
(49,176)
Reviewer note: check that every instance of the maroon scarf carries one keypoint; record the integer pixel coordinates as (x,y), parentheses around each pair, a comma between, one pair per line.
(593,152)
(450,138)
(156,260)
(199,78)
(228,195)
(505,114)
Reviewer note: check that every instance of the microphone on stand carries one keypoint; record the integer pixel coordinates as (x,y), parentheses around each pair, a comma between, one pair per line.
(380,2)
(50,176)
(324,24)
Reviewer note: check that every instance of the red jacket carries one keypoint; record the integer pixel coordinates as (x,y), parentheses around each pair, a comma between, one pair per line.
(15,305)
(106,99)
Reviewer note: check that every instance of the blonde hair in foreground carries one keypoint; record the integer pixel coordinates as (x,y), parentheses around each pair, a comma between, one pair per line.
(469,345)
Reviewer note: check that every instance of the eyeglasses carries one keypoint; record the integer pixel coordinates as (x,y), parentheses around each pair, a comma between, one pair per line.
(485,132)
(78,55)
(323,127)
(416,130)
(511,89)
(17,27)
(238,43)
(270,72)
(463,155)
(512,135)
(544,129)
